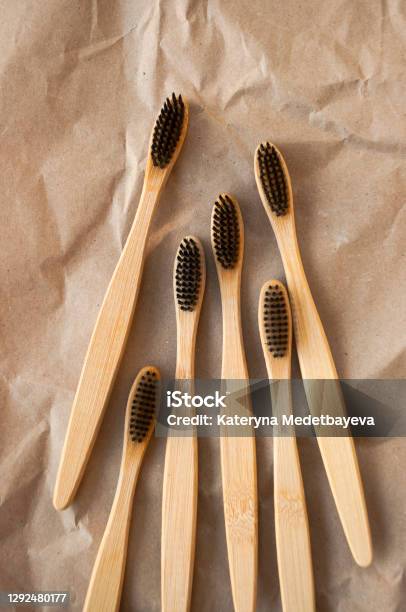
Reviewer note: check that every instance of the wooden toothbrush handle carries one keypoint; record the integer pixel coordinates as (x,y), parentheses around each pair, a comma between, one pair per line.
(179,509)
(291,524)
(104,591)
(292,529)
(324,395)
(238,469)
(103,356)
(239,472)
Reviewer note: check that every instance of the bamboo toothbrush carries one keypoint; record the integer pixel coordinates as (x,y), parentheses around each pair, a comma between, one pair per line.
(104,592)
(113,323)
(238,457)
(319,374)
(179,505)
(291,524)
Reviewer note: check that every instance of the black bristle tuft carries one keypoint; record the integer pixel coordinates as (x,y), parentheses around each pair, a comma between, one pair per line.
(226,232)
(167,131)
(273,179)
(276,321)
(143,406)
(188,274)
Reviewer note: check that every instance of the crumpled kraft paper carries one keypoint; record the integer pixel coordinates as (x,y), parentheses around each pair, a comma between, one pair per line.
(81,84)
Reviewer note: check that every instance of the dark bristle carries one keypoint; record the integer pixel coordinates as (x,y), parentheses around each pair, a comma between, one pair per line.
(167,131)
(188,274)
(226,232)
(276,321)
(143,406)
(273,179)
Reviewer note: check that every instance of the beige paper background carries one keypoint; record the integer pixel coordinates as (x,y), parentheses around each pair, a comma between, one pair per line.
(81,83)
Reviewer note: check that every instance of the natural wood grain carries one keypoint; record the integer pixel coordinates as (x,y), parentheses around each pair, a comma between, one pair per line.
(238,454)
(180,485)
(319,373)
(291,523)
(104,591)
(109,338)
